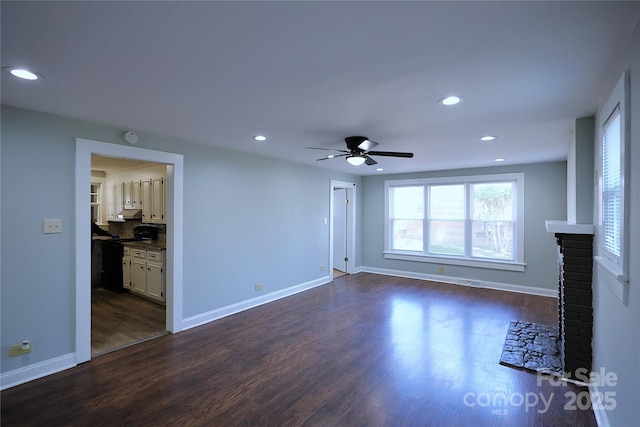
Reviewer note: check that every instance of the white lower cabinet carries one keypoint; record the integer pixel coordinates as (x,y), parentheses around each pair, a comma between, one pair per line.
(154,281)
(147,272)
(126,268)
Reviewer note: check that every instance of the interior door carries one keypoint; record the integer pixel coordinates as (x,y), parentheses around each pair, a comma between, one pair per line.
(340,229)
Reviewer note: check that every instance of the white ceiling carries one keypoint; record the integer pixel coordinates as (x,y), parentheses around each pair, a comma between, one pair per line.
(311,73)
(116,164)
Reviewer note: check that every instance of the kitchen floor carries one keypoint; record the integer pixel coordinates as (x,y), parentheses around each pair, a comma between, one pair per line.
(120,320)
(337,273)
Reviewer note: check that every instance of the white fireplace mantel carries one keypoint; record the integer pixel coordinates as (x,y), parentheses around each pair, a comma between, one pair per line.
(565,227)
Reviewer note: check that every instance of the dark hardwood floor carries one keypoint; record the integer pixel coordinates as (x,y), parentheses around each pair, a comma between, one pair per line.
(363,350)
(122,319)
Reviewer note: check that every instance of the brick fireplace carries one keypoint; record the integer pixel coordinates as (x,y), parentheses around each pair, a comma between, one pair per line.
(575,301)
(575,295)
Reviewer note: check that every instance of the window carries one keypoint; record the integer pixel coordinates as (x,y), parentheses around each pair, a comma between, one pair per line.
(612,148)
(474,221)
(95,203)
(407,217)
(612,187)
(446,219)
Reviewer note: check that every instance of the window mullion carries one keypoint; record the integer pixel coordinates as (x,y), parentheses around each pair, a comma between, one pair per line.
(426,239)
(467,221)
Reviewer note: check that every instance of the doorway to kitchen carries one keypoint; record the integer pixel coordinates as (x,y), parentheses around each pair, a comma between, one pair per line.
(128,217)
(174,225)
(342,228)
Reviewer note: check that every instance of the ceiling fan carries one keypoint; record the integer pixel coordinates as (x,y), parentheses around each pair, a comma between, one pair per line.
(359,150)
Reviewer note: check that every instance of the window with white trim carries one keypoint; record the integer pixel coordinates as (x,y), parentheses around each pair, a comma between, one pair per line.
(470,220)
(612,148)
(96,202)
(612,187)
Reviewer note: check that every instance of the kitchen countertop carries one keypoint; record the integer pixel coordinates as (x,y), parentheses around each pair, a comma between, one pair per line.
(146,244)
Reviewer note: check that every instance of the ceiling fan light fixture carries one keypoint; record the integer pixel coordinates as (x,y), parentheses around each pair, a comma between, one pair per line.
(355,160)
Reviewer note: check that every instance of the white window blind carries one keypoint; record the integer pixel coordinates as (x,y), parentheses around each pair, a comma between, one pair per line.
(612,186)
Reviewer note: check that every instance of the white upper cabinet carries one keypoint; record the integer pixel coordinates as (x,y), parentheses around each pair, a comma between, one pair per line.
(147,200)
(135,194)
(114,201)
(158,201)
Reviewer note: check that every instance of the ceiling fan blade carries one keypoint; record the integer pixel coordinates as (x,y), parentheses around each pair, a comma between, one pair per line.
(369,161)
(367,145)
(354,142)
(333,157)
(327,149)
(390,154)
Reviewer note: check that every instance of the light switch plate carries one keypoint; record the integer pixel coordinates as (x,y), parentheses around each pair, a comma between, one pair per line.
(52,226)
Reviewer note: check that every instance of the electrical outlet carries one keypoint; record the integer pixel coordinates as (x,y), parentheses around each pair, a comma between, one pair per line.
(258,286)
(52,226)
(441,270)
(20,349)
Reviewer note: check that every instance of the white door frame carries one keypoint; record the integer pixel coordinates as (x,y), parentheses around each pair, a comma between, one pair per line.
(351,224)
(84,149)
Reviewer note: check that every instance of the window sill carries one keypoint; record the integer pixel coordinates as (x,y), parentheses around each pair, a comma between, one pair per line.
(617,283)
(465,262)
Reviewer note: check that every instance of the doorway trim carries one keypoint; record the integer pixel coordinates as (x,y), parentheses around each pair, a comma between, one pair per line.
(351,224)
(84,149)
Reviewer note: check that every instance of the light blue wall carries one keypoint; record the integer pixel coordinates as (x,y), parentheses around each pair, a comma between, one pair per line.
(616,336)
(247,219)
(545,198)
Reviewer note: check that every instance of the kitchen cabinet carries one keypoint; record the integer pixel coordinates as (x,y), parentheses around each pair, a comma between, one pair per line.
(139,270)
(146,272)
(114,201)
(132,195)
(147,201)
(158,198)
(155,275)
(127,197)
(126,268)
(135,192)
(153,196)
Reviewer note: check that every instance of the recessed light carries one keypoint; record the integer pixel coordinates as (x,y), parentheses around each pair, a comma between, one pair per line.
(379,169)
(450,100)
(488,138)
(330,156)
(499,159)
(23,73)
(260,138)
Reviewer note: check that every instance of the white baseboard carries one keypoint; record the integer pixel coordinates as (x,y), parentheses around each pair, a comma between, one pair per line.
(463,282)
(37,370)
(210,316)
(599,412)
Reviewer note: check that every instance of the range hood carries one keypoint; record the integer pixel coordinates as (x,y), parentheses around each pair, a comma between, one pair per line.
(129,214)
